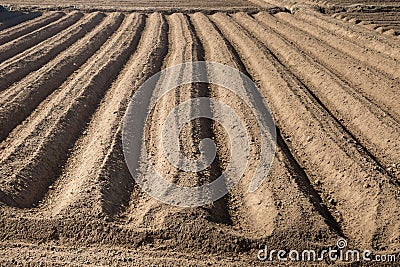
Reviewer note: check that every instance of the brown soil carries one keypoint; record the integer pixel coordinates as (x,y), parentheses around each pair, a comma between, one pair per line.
(66,79)
(383,22)
(168,6)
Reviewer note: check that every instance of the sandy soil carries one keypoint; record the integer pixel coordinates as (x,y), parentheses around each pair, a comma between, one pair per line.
(67,76)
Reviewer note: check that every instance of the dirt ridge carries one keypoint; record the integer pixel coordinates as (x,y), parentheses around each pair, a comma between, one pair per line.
(64,93)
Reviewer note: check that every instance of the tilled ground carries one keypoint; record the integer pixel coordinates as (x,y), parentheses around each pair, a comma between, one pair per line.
(66,79)
(382,16)
(168,6)
(383,22)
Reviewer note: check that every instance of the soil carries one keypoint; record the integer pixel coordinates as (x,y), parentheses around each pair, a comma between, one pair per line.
(327,70)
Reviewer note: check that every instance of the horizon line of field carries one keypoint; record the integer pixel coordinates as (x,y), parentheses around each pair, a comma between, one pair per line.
(22,11)
(65,154)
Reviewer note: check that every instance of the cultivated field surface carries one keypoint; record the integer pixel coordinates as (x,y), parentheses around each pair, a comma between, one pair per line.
(142,5)
(382,16)
(68,70)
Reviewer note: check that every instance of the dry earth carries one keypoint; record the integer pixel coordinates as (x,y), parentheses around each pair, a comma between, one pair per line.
(69,69)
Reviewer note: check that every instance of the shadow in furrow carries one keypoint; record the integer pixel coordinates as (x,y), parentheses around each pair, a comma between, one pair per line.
(301,177)
(11,20)
(117,192)
(39,173)
(204,128)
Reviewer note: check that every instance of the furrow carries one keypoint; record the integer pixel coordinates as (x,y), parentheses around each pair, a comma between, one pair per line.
(353,72)
(386,27)
(34,58)
(374,129)
(281,196)
(105,184)
(12,21)
(19,100)
(353,33)
(18,45)
(346,177)
(385,23)
(149,212)
(353,49)
(10,14)
(391,30)
(147,5)
(206,128)
(29,26)
(30,162)
(153,50)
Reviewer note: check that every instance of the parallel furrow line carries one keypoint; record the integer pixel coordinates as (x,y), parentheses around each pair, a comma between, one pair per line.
(22,43)
(19,100)
(29,26)
(182,47)
(283,184)
(353,49)
(205,128)
(34,58)
(352,72)
(314,138)
(33,160)
(11,14)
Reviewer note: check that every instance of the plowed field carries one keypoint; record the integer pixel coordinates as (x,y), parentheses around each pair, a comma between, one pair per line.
(66,80)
